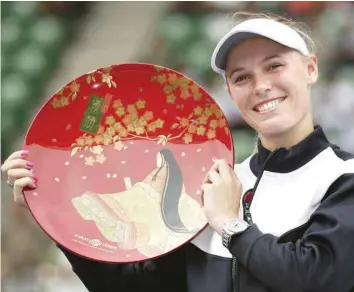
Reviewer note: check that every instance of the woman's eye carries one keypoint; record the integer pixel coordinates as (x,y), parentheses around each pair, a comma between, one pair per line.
(274,67)
(240,79)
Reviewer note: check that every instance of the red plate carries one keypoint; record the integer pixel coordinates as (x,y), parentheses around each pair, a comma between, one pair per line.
(120,154)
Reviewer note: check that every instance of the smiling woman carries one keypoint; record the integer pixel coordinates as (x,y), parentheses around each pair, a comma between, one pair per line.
(269,76)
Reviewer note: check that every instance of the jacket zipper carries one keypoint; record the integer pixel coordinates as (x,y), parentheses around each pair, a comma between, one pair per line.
(248,218)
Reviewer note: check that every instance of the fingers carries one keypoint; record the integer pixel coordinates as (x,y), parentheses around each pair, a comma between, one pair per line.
(17,173)
(16,163)
(213,176)
(17,154)
(223,168)
(19,185)
(206,179)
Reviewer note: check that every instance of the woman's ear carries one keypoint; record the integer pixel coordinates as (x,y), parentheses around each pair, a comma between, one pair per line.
(227,87)
(312,69)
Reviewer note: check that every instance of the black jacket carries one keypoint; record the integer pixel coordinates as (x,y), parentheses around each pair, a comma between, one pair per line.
(302,237)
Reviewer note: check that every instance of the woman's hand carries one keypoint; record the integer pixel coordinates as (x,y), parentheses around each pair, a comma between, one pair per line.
(221,193)
(19,174)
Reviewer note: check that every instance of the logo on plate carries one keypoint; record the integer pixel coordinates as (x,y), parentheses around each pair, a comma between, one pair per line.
(93,242)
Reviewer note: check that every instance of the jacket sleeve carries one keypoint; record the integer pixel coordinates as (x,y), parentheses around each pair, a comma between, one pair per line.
(151,275)
(322,260)
(103,277)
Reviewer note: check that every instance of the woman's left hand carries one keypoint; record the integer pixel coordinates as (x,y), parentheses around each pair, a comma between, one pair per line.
(221,193)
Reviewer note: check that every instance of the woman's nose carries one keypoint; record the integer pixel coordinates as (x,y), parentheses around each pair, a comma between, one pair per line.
(263,89)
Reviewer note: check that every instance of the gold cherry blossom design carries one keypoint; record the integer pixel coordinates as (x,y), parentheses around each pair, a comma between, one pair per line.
(197,96)
(135,122)
(161,79)
(117,126)
(64,101)
(100,158)
(90,160)
(213,124)
(152,127)
(80,141)
(142,121)
(120,112)
(111,131)
(172,78)
(107,139)
(105,75)
(159,123)
(203,120)
(110,120)
(140,104)
(184,122)
(222,123)
(98,139)
(108,79)
(131,109)
(100,130)
(192,129)
(74,87)
(88,140)
(187,138)
(123,132)
(97,149)
(117,104)
(56,103)
(148,116)
(208,112)
(211,134)
(71,90)
(198,111)
(60,91)
(118,145)
(171,99)
(201,130)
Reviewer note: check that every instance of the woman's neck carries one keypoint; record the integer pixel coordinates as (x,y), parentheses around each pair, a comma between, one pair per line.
(289,138)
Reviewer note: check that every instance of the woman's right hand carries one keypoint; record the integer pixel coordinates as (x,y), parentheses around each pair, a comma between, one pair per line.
(20,174)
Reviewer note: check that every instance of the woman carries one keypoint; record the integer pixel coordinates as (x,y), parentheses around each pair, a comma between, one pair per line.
(284,219)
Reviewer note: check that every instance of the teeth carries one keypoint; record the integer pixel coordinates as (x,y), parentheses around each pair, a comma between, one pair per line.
(269,105)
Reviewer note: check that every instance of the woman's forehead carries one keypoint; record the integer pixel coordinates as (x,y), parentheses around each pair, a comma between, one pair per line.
(257,45)
(256,49)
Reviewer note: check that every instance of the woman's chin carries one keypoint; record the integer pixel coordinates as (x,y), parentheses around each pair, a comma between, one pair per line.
(273,128)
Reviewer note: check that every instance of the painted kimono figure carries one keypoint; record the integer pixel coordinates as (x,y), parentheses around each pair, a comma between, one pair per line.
(154,215)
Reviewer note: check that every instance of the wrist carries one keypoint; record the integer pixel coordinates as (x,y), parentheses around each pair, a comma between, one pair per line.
(233,227)
(219,222)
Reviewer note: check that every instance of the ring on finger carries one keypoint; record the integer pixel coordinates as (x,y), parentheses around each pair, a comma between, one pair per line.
(10,183)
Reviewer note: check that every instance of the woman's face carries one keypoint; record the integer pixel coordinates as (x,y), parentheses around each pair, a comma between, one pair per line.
(270,85)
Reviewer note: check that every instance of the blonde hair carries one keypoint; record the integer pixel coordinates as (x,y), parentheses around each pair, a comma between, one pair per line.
(299,27)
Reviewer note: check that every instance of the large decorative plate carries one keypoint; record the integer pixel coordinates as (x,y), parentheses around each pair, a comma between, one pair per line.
(121,153)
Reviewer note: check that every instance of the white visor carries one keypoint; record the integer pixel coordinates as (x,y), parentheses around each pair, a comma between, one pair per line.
(263,27)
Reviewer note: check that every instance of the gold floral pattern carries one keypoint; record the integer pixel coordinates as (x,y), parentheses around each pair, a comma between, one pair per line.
(69,93)
(134,121)
(104,75)
(65,95)
(174,86)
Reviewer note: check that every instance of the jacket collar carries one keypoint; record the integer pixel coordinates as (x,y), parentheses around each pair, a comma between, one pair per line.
(289,159)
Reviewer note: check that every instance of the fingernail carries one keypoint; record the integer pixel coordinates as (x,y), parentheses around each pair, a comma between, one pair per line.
(35,178)
(24,153)
(29,164)
(34,185)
